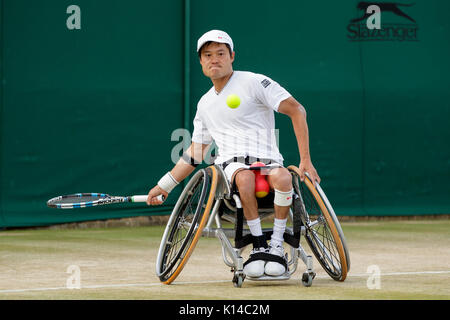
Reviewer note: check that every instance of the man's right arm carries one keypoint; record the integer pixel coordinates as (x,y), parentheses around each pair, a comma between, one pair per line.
(184,167)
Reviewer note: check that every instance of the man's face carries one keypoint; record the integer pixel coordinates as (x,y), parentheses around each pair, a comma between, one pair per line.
(216,60)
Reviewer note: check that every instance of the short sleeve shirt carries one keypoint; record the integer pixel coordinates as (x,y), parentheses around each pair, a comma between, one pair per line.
(249,129)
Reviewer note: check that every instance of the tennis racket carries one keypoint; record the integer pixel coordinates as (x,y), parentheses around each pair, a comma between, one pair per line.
(85,200)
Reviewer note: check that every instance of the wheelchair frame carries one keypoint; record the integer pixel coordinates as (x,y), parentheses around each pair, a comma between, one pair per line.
(220,195)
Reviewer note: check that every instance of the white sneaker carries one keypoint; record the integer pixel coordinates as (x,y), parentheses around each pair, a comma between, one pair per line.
(255,269)
(273,268)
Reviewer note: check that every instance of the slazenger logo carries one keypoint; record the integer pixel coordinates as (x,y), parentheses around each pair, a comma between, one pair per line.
(375,23)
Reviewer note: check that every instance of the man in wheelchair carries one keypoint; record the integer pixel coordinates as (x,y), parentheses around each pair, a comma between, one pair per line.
(244,133)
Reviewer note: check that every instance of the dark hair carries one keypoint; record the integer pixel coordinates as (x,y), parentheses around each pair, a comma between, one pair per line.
(208,43)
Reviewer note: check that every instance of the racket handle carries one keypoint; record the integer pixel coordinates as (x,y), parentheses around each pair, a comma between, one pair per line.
(143,198)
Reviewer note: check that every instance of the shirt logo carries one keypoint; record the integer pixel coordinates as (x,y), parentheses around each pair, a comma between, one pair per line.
(265,83)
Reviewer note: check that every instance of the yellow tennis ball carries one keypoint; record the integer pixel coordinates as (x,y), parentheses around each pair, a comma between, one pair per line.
(233,101)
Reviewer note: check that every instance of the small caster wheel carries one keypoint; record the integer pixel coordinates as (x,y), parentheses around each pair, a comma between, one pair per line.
(307,279)
(238,280)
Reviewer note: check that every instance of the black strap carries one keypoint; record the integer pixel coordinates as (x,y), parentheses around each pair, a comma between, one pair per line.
(242,241)
(239,226)
(248,160)
(266,257)
(260,241)
(296,221)
(292,240)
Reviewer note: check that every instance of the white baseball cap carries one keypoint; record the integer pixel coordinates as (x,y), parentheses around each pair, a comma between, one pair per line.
(215,36)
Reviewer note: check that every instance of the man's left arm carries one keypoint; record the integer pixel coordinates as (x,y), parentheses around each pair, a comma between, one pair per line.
(294,110)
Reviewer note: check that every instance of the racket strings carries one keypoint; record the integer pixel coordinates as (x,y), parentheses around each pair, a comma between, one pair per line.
(79,198)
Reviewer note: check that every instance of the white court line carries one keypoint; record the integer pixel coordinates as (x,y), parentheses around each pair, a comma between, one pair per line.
(400,273)
(206,282)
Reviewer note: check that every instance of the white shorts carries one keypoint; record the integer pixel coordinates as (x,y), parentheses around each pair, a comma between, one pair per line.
(231,168)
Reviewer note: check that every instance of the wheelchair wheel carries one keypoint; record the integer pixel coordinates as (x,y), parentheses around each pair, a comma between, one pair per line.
(323,231)
(186,224)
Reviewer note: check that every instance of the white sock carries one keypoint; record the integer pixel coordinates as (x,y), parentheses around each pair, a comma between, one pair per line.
(279,226)
(255,227)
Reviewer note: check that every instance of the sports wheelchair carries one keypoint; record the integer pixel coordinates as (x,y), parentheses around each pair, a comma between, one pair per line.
(209,198)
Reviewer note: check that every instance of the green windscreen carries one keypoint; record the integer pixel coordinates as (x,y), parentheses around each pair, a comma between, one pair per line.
(96,109)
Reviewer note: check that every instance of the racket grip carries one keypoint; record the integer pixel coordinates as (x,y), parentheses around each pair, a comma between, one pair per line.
(143,198)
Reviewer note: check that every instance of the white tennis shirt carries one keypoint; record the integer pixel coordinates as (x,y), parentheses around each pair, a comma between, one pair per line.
(248,130)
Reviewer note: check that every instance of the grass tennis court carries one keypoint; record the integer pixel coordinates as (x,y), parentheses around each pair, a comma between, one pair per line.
(413,257)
